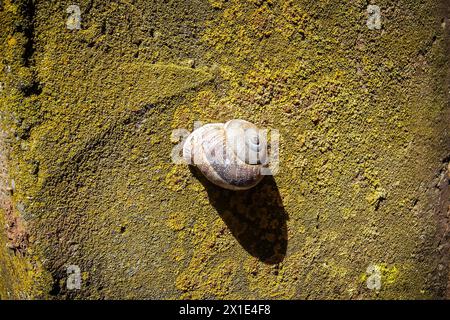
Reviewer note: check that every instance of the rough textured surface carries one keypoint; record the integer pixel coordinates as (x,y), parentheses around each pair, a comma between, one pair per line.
(87,115)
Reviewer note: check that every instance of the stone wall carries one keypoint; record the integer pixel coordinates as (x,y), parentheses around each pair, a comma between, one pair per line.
(89,99)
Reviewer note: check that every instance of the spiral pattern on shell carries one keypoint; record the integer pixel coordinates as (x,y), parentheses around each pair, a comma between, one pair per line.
(230,155)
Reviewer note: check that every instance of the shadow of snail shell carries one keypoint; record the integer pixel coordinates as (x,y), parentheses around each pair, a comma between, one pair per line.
(230,155)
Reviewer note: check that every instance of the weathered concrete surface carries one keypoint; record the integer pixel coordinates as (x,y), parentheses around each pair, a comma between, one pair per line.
(87,177)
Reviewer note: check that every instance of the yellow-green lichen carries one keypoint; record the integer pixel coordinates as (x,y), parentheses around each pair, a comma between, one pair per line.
(363,118)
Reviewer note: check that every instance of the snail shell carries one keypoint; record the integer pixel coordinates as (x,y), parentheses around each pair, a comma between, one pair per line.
(230,155)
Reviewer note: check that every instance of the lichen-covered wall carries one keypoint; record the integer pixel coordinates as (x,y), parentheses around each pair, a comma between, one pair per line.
(363,115)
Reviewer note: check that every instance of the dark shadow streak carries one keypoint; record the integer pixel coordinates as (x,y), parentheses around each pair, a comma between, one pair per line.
(255,217)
